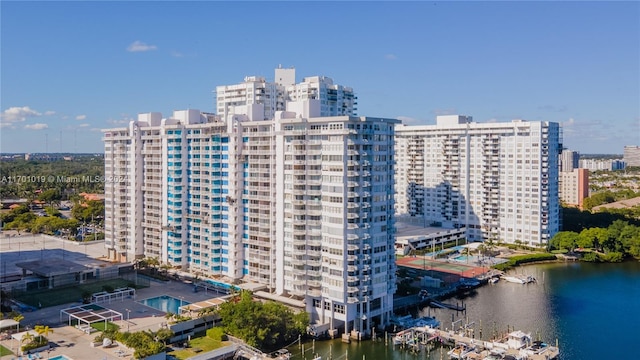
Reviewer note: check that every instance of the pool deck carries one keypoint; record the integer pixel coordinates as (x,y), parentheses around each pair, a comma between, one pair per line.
(75,344)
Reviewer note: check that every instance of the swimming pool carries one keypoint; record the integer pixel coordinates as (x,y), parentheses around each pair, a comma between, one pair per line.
(60,357)
(465,258)
(165,303)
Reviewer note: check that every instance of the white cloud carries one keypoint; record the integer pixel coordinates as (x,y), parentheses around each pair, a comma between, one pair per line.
(586,130)
(17,114)
(36,126)
(390,57)
(177,54)
(81,117)
(569,122)
(83,125)
(49,113)
(139,46)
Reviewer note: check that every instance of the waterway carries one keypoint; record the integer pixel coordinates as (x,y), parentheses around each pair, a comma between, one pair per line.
(592,310)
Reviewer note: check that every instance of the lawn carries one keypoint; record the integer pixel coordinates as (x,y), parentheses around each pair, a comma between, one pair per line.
(4,351)
(66,295)
(100,326)
(199,345)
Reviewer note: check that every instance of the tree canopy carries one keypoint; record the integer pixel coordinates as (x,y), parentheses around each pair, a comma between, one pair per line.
(618,240)
(268,325)
(22,178)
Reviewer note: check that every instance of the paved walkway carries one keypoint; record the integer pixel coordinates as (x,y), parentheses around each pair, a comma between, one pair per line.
(75,344)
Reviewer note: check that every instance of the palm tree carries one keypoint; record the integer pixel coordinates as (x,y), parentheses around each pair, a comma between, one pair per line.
(43,330)
(153,263)
(18,317)
(26,338)
(165,268)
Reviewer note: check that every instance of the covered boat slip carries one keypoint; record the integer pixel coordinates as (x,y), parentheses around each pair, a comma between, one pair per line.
(88,314)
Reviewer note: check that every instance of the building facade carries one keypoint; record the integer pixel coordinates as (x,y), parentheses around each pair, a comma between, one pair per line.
(499,180)
(300,204)
(332,99)
(569,160)
(632,155)
(574,186)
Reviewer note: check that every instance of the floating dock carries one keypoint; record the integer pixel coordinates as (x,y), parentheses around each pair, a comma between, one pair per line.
(442,305)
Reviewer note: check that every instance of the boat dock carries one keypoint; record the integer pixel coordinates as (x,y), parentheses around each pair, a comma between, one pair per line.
(414,338)
(516,344)
(442,305)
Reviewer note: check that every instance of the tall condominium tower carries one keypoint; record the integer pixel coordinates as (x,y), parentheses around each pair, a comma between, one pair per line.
(499,180)
(569,160)
(333,99)
(300,204)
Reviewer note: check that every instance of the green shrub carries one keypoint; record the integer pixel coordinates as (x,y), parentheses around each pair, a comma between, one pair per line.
(614,257)
(591,257)
(38,341)
(216,333)
(524,259)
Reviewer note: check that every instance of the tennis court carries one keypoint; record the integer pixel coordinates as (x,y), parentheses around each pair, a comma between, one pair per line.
(424,263)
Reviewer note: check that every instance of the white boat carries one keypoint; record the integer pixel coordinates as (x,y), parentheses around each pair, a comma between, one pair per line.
(515,340)
(460,351)
(519,278)
(494,280)
(283,354)
(495,354)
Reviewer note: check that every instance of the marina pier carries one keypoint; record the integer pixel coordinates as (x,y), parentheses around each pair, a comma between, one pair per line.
(515,345)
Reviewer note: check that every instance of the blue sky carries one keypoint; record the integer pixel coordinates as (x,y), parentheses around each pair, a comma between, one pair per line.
(70,69)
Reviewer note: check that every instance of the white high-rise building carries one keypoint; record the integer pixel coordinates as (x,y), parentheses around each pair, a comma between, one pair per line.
(300,204)
(332,99)
(335,100)
(499,180)
(569,160)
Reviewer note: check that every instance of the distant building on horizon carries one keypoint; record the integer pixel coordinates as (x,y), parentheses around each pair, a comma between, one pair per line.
(602,164)
(632,155)
(499,180)
(569,160)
